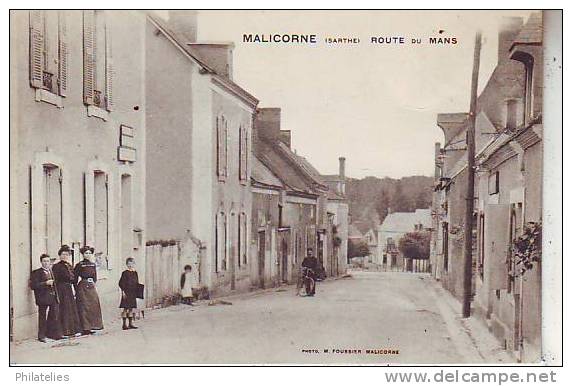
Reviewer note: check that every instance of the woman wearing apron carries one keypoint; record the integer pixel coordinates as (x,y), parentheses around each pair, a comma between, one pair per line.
(87,299)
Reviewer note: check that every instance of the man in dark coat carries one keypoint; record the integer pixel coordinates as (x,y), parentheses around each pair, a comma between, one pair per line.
(43,284)
(310,262)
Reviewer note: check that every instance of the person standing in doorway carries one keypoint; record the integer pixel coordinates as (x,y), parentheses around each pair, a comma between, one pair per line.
(65,279)
(186,283)
(129,283)
(88,306)
(44,286)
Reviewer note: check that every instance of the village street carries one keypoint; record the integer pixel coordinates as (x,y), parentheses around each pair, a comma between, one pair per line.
(369,310)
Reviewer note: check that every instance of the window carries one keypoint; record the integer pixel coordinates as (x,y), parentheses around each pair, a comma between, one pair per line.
(494,183)
(243,151)
(242,239)
(101,219)
(126,217)
(222,147)
(220,242)
(48,51)
(280,211)
(511,109)
(528,85)
(97,60)
(445,246)
(52,232)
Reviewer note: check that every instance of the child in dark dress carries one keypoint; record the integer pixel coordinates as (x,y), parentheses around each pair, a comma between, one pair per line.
(128,283)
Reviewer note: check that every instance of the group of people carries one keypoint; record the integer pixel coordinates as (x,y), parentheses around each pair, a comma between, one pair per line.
(67,299)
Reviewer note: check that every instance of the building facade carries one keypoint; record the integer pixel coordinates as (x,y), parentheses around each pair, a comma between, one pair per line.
(199,143)
(508,193)
(77,147)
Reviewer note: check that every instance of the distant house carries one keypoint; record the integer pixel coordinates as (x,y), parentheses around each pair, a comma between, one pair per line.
(392,230)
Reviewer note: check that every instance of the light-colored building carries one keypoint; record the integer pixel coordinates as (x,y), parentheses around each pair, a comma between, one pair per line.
(392,229)
(508,192)
(77,147)
(199,126)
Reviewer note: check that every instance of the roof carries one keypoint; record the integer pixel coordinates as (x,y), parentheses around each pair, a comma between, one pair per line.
(531,32)
(353,232)
(282,167)
(183,44)
(263,176)
(404,222)
(294,172)
(362,226)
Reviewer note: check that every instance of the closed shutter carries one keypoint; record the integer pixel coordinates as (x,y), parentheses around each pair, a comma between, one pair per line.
(36,48)
(62,54)
(108,66)
(88,56)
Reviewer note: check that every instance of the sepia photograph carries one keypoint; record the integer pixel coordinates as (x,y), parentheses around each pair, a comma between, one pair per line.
(281,187)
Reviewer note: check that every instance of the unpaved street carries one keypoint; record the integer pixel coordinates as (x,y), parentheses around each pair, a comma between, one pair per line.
(404,316)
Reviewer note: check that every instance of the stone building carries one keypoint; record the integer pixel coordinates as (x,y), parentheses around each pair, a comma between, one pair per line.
(291,208)
(198,172)
(508,192)
(77,147)
(392,229)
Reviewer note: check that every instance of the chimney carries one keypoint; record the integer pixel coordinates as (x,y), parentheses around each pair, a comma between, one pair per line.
(342,172)
(286,137)
(184,24)
(267,123)
(508,30)
(218,56)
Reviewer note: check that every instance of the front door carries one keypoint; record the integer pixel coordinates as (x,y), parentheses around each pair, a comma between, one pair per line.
(261,256)
(284,260)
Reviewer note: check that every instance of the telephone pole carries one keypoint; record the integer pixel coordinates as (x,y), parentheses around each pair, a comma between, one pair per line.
(470,199)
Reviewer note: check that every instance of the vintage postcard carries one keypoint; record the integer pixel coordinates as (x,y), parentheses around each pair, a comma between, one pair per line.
(289,187)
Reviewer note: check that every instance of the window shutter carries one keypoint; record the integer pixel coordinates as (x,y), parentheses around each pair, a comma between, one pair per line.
(36,48)
(225,132)
(108,67)
(88,56)
(218,147)
(62,54)
(243,153)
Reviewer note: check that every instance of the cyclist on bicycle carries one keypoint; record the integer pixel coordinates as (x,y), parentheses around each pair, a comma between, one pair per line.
(311,263)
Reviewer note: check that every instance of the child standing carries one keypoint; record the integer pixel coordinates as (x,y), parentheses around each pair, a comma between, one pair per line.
(186,283)
(129,284)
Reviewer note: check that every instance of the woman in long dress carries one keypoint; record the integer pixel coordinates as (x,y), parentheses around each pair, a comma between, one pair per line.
(88,305)
(64,278)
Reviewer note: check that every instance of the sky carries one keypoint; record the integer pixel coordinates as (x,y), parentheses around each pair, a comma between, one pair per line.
(375,104)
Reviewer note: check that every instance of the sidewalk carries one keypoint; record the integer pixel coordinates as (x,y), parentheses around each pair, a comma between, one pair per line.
(473,338)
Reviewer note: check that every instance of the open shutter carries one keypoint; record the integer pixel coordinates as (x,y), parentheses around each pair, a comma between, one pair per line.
(108,66)
(243,153)
(497,245)
(62,53)
(88,56)
(218,147)
(225,146)
(36,48)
